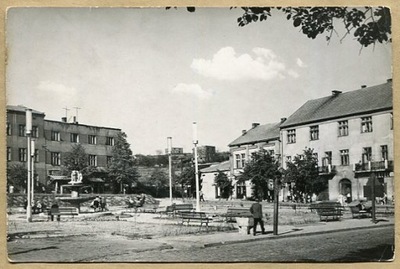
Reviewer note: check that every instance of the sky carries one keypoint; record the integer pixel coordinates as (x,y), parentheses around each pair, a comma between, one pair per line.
(153,72)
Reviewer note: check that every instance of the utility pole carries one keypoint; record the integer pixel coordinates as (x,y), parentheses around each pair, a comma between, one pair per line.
(32,156)
(28,113)
(195,142)
(169,149)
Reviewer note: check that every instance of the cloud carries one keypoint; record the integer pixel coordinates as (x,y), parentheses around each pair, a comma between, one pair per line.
(58,93)
(300,63)
(293,73)
(194,89)
(227,65)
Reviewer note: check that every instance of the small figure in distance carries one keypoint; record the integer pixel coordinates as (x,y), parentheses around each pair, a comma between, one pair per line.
(256,211)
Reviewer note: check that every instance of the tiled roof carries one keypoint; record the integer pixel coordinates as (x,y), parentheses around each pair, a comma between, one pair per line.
(257,134)
(224,166)
(21,108)
(365,100)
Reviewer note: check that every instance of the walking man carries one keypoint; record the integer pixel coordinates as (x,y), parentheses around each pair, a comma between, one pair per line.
(256,211)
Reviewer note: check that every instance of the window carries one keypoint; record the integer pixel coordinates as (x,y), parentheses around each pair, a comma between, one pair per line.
(238,161)
(92,139)
(109,160)
(8,154)
(384,152)
(391,121)
(93,160)
(22,154)
(35,131)
(21,130)
(344,157)
(314,132)
(56,158)
(74,138)
(291,136)
(366,155)
(366,125)
(55,136)
(110,141)
(343,128)
(327,160)
(36,156)
(243,159)
(9,130)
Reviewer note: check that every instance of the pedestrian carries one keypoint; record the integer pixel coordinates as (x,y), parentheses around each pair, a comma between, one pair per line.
(256,211)
(201,196)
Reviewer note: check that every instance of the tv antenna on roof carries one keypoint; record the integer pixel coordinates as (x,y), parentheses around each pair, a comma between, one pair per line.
(76,109)
(66,112)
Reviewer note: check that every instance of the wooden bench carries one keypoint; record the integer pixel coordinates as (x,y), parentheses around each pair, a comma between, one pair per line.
(237,212)
(356,212)
(327,209)
(384,210)
(63,211)
(176,208)
(191,216)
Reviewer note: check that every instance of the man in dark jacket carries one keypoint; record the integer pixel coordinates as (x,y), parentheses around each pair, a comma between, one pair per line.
(256,211)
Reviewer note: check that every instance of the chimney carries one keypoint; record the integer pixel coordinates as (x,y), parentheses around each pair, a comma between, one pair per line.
(75,120)
(244,132)
(254,125)
(336,92)
(283,120)
(363,86)
(64,119)
(389,80)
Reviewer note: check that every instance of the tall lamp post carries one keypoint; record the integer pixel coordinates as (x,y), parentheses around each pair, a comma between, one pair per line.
(196,167)
(32,156)
(169,149)
(28,159)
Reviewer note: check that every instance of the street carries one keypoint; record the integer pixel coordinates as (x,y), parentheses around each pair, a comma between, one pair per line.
(375,244)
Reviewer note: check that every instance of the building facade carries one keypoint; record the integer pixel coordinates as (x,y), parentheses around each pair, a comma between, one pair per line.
(259,137)
(208,174)
(52,140)
(351,134)
(206,154)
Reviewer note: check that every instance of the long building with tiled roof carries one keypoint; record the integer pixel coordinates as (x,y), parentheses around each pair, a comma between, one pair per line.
(351,134)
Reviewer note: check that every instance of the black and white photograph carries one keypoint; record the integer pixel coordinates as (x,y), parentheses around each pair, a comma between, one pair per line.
(182,134)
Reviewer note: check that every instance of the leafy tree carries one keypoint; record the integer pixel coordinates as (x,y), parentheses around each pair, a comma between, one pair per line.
(262,167)
(303,172)
(76,159)
(16,176)
(188,178)
(369,25)
(222,181)
(159,180)
(122,170)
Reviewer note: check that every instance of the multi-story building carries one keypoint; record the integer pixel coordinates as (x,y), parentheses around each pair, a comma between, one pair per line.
(206,154)
(351,134)
(258,137)
(208,187)
(52,140)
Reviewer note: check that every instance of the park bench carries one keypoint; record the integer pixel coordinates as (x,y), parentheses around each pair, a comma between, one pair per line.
(176,208)
(191,216)
(328,209)
(242,216)
(63,211)
(384,210)
(356,212)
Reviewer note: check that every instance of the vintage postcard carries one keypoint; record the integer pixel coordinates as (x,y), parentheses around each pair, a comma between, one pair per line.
(199,134)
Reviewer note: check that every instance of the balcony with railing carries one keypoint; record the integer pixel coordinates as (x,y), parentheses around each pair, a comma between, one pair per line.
(327,170)
(381,166)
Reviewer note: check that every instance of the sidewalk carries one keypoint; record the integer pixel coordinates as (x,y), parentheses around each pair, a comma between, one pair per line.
(202,240)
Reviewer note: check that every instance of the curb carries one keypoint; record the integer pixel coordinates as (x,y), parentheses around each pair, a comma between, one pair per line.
(274,237)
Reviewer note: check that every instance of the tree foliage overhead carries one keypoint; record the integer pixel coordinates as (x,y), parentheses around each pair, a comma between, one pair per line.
(262,167)
(122,169)
(368,24)
(16,176)
(303,172)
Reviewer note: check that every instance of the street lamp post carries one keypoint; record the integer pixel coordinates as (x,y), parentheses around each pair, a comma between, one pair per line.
(195,142)
(32,156)
(28,128)
(169,146)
